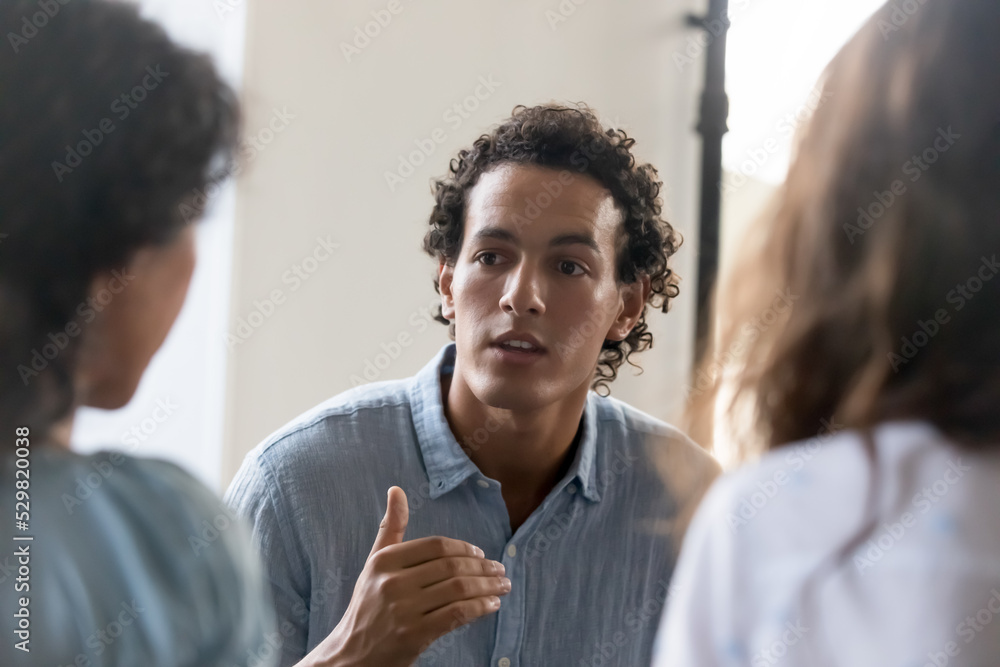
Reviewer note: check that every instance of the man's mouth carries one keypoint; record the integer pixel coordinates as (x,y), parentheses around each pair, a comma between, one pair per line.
(519,346)
(521,343)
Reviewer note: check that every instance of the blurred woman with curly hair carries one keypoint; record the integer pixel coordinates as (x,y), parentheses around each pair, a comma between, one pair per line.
(96,189)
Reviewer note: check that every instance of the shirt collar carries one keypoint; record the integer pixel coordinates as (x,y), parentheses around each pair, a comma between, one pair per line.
(448,465)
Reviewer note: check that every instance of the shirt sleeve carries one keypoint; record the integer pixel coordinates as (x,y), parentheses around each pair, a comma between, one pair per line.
(252,496)
(698,626)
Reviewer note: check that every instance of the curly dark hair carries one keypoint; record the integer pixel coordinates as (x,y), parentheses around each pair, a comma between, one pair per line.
(86,178)
(571,138)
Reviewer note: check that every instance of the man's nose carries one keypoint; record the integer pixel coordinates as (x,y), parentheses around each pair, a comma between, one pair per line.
(523,293)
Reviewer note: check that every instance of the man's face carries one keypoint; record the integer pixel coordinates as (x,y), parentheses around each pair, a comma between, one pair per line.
(533,293)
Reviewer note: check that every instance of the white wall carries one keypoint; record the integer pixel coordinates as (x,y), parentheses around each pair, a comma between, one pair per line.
(323,174)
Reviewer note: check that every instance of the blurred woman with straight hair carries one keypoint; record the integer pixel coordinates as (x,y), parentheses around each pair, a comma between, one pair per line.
(868,533)
(107,131)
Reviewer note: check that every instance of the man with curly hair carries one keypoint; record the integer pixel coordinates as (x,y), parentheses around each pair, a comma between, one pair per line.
(550,246)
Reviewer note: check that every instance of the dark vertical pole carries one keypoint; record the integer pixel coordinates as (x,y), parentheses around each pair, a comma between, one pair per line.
(711,126)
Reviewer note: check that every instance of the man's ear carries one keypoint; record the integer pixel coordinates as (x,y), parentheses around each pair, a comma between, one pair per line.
(446,274)
(634,297)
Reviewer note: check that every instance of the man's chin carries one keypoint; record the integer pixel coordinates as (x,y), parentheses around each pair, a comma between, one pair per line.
(514,398)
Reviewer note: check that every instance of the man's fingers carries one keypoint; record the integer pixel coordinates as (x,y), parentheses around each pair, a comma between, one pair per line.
(456,589)
(444,620)
(393,526)
(408,554)
(442,569)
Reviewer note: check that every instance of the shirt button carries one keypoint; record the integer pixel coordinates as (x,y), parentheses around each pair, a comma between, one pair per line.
(483,483)
(571,488)
(511,551)
(503,662)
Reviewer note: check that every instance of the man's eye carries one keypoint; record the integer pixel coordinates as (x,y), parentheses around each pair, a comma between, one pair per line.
(487,258)
(570,268)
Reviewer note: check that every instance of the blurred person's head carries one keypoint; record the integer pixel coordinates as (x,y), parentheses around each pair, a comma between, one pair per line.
(886,236)
(107,130)
(548,227)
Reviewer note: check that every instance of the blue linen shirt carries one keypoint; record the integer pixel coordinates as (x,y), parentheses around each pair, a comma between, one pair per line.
(590,568)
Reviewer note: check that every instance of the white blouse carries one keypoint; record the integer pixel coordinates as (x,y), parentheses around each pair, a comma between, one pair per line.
(820,555)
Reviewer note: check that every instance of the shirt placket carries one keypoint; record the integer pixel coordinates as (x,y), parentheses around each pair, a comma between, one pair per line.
(513,607)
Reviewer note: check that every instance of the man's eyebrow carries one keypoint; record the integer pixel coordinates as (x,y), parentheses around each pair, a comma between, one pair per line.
(496,233)
(573,239)
(500,234)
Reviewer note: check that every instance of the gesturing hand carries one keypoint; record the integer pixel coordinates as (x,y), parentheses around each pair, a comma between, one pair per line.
(408,595)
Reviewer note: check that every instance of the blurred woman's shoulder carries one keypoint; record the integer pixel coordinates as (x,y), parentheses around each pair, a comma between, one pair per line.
(842,532)
(132,561)
(826,482)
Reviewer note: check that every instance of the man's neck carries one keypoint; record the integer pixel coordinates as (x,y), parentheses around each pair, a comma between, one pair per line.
(527,452)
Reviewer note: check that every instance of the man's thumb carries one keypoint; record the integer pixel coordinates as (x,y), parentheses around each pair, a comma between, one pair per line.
(393,526)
